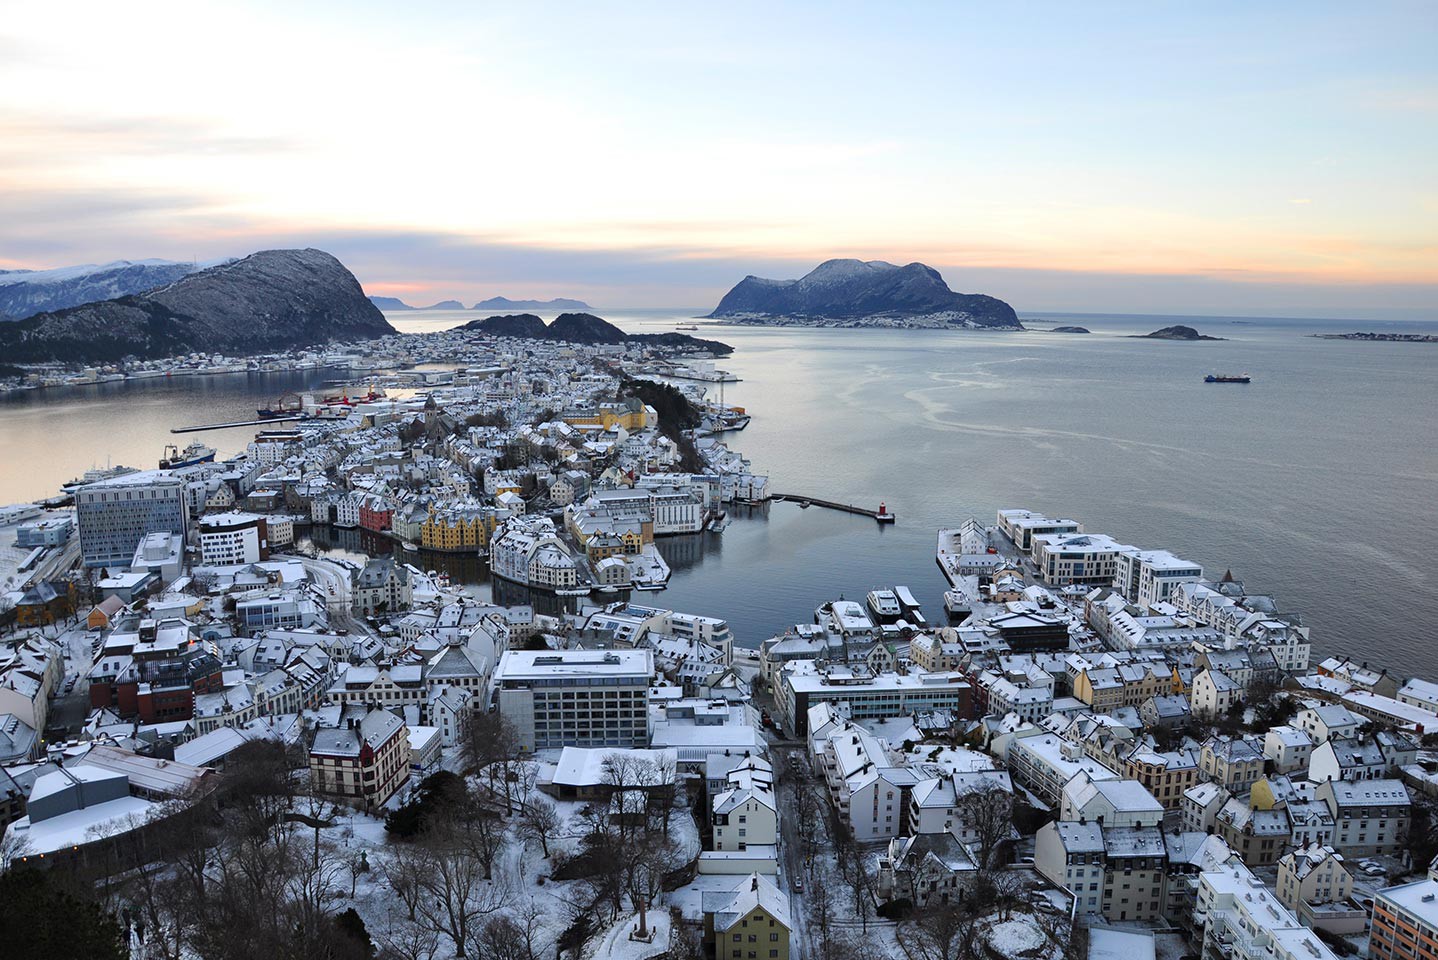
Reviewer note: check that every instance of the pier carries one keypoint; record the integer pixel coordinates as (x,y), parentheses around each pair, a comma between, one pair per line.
(238,423)
(882,515)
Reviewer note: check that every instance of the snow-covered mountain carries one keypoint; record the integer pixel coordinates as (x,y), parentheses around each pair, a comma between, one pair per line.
(24,293)
(856,292)
(271,300)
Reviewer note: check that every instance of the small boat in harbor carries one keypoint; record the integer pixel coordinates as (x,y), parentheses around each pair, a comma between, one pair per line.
(1228,378)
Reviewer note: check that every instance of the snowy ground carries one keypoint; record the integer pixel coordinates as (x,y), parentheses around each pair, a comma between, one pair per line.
(615,943)
(1019,937)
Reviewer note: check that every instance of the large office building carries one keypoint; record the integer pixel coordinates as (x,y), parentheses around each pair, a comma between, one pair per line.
(114,515)
(578,698)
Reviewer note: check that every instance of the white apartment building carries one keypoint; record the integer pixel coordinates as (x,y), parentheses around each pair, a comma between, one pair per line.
(801,683)
(747,813)
(1288,748)
(1242,919)
(228,539)
(1065,558)
(1370,816)
(1149,577)
(1021,526)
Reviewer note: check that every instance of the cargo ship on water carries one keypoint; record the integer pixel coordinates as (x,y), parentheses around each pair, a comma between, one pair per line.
(196,452)
(1228,378)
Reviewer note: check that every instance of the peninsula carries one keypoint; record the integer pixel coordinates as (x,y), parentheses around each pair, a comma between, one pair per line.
(1379,337)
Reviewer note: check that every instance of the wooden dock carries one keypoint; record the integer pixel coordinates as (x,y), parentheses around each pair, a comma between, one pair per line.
(882,515)
(238,423)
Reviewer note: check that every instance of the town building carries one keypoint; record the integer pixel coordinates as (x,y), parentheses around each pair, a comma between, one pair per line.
(576,698)
(114,515)
(364,762)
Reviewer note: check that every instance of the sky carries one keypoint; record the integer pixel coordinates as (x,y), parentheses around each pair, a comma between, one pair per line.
(1275,158)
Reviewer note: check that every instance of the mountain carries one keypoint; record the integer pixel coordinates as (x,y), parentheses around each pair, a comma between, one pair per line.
(443,305)
(1175,332)
(519,325)
(390,303)
(271,300)
(504,303)
(863,293)
(1068,330)
(24,293)
(586,328)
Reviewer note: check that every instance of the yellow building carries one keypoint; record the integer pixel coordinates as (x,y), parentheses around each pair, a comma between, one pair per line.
(628,414)
(457,529)
(749,922)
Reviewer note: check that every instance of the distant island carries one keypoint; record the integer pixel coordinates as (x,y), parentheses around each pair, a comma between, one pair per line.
(1379,337)
(1070,330)
(395,303)
(558,303)
(586,328)
(390,303)
(859,293)
(1175,332)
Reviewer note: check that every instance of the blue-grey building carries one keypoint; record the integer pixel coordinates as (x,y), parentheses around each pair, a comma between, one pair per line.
(114,515)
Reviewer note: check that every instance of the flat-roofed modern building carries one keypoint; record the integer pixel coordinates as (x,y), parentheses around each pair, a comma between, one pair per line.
(1405,922)
(115,515)
(1147,577)
(576,698)
(871,696)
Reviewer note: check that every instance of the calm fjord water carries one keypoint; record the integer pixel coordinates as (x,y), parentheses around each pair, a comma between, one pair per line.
(1317,483)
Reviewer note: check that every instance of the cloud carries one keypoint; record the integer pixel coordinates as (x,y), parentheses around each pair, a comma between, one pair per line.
(42,137)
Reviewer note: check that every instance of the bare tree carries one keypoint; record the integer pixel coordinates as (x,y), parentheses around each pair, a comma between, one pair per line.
(455,894)
(684,942)
(1009,886)
(405,940)
(481,833)
(514,934)
(647,861)
(486,738)
(402,867)
(540,820)
(939,932)
(985,813)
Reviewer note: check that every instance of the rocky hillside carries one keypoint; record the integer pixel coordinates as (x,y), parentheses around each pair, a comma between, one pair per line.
(586,328)
(24,293)
(519,325)
(863,293)
(271,300)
